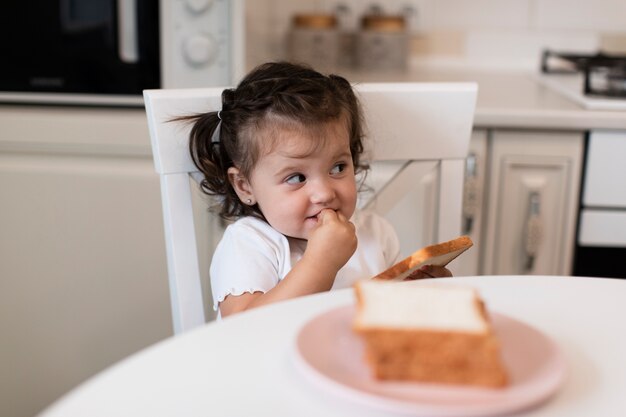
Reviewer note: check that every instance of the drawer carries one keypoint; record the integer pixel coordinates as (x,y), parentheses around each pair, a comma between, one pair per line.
(602,228)
(605,173)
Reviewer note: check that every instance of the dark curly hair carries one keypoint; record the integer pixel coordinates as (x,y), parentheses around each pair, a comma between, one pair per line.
(272,95)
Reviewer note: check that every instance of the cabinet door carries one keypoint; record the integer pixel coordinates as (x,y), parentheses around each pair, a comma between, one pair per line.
(83,277)
(605,172)
(82,269)
(532,202)
(473,193)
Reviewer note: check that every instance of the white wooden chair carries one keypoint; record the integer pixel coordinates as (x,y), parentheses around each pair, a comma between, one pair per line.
(417,133)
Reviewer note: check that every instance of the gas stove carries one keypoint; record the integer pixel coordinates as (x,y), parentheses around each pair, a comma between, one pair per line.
(596,81)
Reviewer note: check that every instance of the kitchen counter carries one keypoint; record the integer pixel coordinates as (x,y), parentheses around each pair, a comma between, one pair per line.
(508,99)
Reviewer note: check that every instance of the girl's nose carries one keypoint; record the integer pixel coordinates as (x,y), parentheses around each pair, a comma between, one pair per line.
(322,193)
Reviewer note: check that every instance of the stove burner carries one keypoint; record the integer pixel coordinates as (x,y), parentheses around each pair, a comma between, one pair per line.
(604,74)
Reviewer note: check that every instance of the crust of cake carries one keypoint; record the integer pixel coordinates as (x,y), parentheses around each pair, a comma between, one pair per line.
(442,357)
(439,254)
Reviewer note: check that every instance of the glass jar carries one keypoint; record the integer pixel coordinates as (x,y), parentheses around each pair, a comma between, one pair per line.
(314,39)
(382,43)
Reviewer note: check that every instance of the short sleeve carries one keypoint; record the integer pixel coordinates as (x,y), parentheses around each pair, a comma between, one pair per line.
(250,257)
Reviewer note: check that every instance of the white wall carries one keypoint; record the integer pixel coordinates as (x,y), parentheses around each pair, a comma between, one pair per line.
(480,33)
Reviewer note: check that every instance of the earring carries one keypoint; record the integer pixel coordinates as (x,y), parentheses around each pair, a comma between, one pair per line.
(249,201)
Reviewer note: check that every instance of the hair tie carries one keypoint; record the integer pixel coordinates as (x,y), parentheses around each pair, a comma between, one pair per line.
(215,138)
(219,114)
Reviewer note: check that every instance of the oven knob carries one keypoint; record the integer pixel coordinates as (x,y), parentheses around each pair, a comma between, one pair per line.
(199,49)
(198,6)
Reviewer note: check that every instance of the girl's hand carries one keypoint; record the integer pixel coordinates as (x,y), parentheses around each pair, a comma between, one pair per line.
(333,241)
(429,271)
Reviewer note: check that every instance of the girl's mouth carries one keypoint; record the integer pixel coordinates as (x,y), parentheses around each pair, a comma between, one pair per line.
(316,216)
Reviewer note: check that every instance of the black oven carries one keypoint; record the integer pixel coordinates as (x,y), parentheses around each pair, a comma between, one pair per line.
(80,46)
(117,47)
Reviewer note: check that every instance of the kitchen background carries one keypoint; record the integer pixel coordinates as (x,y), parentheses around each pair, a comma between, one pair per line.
(82,272)
(507,34)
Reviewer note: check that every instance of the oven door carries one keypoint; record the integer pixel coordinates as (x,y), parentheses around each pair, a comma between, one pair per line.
(78,46)
(601,243)
(601,248)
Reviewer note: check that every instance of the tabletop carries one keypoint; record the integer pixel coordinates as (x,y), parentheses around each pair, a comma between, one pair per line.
(245,364)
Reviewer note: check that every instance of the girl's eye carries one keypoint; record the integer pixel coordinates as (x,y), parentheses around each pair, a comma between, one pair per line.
(338,168)
(295,179)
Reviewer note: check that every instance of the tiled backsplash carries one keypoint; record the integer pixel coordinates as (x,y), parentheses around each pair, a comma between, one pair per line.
(475,33)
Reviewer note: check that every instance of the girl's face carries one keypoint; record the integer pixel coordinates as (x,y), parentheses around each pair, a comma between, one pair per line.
(299,177)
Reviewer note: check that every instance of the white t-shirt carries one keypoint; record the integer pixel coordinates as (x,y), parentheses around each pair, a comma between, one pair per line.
(252,256)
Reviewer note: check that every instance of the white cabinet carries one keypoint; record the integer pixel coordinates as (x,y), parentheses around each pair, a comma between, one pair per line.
(532,199)
(83,277)
(521,195)
(473,203)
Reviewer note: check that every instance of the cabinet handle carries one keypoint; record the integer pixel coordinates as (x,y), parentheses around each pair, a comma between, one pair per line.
(471,194)
(534,230)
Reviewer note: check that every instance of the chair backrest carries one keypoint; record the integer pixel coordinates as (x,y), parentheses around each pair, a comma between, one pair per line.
(426,125)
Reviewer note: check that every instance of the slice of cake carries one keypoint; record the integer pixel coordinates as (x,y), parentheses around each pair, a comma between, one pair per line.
(436,333)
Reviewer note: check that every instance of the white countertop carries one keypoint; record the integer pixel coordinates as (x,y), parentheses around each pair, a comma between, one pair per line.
(506,98)
(512,99)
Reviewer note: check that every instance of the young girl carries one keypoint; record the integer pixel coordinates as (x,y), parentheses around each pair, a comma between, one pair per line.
(282,155)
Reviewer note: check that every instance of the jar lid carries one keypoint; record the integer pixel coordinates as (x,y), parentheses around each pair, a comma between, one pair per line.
(383,23)
(314,21)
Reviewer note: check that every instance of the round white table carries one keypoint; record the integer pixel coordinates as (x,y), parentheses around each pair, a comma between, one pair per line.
(244,365)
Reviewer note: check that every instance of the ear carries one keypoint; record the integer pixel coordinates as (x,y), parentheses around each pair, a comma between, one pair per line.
(241,185)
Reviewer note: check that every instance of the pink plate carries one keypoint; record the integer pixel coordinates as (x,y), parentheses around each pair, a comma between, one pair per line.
(331,354)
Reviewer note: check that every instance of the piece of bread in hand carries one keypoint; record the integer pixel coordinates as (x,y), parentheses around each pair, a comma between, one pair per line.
(439,254)
(427,333)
